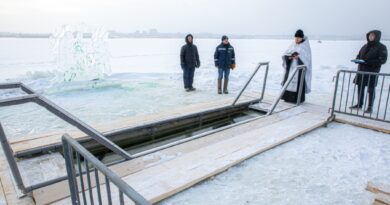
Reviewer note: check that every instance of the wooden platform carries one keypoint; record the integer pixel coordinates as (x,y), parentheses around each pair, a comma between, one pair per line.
(364,123)
(381,192)
(164,173)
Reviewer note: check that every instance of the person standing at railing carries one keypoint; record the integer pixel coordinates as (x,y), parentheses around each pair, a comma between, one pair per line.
(189,60)
(299,53)
(370,59)
(224,59)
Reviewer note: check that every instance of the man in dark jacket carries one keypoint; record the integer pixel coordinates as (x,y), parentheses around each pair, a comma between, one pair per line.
(224,58)
(373,56)
(189,60)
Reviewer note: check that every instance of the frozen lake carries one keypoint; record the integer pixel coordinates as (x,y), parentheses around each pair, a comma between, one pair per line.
(327,166)
(146,78)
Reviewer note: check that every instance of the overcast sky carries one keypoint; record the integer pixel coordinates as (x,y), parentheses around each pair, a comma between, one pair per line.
(316,17)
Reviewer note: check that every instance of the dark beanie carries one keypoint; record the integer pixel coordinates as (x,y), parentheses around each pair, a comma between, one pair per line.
(224,38)
(299,34)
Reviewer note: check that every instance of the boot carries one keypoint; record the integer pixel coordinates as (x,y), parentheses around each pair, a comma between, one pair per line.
(219,86)
(357,106)
(225,85)
(369,110)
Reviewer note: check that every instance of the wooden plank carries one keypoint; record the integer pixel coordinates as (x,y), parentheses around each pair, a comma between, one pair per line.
(378,188)
(265,106)
(378,203)
(364,123)
(161,181)
(383,198)
(2,195)
(47,194)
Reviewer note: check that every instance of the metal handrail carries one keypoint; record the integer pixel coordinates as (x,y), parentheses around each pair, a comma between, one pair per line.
(284,88)
(59,112)
(71,146)
(250,79)
(344,102)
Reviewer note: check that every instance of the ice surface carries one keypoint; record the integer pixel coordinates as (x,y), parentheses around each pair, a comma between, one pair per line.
(42,168)
(327,166)
(146,78)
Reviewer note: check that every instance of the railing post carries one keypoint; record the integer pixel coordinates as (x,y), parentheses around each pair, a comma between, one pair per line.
(11,161)
(72,181)
(286,84)
(334,96)
(250,79)
(264,82)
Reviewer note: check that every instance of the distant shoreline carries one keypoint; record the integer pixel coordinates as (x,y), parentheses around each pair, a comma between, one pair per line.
(114,35)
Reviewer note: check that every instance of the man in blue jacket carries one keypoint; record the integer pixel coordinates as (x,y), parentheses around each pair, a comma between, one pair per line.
(224,59)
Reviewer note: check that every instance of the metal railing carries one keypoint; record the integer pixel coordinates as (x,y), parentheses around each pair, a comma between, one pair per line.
(288,82)
(356,88)
(250,79)
(59,112)
(92,167)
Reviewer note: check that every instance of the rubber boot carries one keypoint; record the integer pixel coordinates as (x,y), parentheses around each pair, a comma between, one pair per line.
(219,86)
(225,85)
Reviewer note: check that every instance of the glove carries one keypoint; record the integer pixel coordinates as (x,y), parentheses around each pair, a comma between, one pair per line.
(233,66)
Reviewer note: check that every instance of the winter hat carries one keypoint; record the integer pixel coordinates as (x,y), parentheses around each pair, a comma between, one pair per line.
(299,34)
(224,38)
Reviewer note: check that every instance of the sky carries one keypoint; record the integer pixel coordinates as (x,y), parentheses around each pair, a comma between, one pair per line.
(249,17)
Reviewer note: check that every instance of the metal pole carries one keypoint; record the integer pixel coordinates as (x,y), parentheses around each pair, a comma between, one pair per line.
(249,80)
(18,100)
(9,85)
(246,84)
(264,82)
(68,155)
(334,94)
(11,160)
(283,90)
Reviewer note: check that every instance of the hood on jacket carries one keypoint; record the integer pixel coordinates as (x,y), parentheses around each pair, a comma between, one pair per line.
(377,33)
(187,39)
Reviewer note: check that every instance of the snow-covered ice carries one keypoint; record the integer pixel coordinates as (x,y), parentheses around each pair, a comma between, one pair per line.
(146,78)
(327,166)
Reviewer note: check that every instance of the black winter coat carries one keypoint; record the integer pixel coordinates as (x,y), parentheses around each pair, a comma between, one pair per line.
(189,56)
(375,55)
(224,56)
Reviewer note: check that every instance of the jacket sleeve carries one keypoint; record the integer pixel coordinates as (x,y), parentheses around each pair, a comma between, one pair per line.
(382,57)
(360,51)
(182,54)
(233,57)
(197,57)
(216,57)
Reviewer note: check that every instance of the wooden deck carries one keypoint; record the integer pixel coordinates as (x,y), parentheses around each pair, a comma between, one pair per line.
(164,173)
(381,192)
(364,123)
(157,178)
